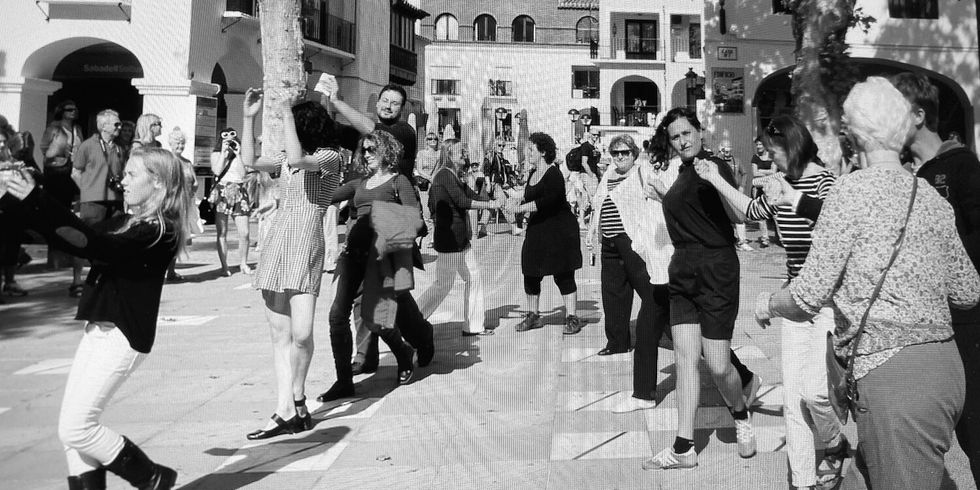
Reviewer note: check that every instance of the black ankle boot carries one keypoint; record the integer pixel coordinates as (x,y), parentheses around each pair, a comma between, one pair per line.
(90,480)
(134,466)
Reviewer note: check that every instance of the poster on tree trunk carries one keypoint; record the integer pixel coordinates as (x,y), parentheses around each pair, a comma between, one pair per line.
(728,90)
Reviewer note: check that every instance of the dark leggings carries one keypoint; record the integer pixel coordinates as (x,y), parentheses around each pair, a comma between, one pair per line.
(564,280)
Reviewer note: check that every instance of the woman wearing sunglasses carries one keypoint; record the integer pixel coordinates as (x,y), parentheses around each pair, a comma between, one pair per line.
(148,129)
(630,232)
(229,197)
(808,413)
(359,269)
(425,167)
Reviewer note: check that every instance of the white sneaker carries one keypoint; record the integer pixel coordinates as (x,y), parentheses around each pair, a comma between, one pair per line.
(669,460)
(745,437)
(744,246)
(750,393)
(632,404)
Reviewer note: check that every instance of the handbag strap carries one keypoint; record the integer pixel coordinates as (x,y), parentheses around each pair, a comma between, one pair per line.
(881,281)
(224,170)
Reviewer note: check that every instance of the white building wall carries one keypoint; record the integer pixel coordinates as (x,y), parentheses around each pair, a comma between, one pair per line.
(946,46)
(542,85)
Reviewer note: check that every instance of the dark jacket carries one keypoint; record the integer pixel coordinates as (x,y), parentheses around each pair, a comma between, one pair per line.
(955,173)
(126,279)
(449,201)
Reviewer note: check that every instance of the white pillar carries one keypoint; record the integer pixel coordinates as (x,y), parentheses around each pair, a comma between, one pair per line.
(24,102)
(176,104)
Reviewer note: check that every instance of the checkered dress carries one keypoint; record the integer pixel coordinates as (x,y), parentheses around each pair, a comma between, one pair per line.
(292,253)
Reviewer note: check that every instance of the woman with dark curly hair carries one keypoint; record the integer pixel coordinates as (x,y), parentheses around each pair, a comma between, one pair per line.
(291,265)
(359,269)
(552,244)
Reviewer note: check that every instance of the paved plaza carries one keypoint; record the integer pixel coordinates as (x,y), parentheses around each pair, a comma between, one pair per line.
(511,411)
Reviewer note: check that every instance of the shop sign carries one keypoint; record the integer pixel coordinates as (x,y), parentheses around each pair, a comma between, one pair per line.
(205,129)
(728,90)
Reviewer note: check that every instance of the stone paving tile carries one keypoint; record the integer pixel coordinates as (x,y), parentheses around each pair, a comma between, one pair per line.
(442,452)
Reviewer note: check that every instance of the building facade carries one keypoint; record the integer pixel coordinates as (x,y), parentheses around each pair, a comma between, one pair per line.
(188,61)
(564,65)
(749,60)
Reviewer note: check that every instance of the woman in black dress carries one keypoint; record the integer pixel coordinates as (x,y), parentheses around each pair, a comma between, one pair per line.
(552,244)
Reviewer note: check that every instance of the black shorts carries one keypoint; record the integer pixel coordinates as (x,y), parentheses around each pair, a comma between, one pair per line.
(703,289)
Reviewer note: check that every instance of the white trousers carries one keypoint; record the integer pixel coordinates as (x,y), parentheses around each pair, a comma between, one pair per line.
(806,408)
(103,362)
(447,266)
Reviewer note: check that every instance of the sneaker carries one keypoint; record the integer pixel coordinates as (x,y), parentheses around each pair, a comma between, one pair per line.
(745,437)
(633,404)
(530,322)
(750,392)
(744,246)
(573,325)
(669,460)
(764,243)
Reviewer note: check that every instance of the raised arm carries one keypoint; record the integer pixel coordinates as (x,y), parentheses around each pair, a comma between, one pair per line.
(250,109)
(736,203)
(362,123)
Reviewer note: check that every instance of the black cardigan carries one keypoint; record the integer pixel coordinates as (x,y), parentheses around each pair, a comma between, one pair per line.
(449,201)
(128,268)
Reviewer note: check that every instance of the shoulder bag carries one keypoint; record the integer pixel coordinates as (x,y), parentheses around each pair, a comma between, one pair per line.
(842,386)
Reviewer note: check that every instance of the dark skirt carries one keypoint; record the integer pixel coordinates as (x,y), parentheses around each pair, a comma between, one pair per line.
(551,245)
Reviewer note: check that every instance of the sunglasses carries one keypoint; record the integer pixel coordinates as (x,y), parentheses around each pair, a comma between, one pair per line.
(369,149)
(117,125)
(224,134)
(70,109)
(157,124)
(432,139)
(620,153)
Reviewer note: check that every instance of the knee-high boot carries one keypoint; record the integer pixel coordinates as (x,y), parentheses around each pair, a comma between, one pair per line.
(134,466)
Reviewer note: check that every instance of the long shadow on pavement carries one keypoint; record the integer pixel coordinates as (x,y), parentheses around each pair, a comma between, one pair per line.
(248,465)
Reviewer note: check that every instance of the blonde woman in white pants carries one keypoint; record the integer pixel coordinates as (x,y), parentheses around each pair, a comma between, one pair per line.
(451,201)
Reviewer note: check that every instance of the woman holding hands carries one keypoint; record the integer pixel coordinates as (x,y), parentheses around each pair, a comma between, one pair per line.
(552,244)
(451,200)
(291,264)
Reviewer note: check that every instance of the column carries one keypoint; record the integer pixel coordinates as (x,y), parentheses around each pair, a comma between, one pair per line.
(24,102)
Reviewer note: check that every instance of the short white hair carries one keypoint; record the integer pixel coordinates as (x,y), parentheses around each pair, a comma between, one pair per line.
(176,136)
(878,115)
(103,117)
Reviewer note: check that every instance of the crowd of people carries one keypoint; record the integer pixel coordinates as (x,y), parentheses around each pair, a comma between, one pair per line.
(881,263)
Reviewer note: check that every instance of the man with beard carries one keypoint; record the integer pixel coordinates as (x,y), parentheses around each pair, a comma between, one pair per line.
(391,99)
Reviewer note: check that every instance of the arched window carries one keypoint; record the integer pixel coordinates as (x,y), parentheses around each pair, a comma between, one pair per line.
(485,28)
(523,28)
(447,28)
(587,30)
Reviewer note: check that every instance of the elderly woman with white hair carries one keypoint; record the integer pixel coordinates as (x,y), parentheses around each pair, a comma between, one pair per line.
(886,257)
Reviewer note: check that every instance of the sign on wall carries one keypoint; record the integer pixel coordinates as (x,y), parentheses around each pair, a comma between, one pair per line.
(728,90)
(205,121)
(727,53)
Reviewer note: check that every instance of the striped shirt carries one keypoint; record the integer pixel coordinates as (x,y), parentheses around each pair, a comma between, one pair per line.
(794,231)
(610,222)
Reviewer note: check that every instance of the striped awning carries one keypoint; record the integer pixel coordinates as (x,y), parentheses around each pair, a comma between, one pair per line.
(579,4)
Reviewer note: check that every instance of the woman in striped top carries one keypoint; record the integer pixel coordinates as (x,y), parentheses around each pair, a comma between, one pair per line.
(807,409)
(635,253)
(291,264)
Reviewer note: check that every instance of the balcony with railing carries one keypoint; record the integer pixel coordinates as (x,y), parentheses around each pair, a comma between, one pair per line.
(631,48)
(329,30)
(631,116)
(403,67)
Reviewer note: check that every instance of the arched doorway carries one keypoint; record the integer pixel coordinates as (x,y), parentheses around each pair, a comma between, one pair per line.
(773,96)
(99,77)
(635,101)
(218,78)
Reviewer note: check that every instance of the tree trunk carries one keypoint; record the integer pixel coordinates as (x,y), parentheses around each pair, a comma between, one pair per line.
(282,66)
(822,76)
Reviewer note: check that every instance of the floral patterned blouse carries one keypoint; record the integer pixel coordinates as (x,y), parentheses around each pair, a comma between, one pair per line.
(852,243)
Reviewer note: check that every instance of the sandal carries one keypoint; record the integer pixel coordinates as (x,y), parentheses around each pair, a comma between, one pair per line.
(832,465)
(75,290)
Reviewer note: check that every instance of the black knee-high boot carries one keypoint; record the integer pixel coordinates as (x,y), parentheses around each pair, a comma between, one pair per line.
(134,466)
(90,480)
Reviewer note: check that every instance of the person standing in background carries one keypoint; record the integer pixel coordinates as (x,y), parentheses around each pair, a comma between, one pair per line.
(761,168)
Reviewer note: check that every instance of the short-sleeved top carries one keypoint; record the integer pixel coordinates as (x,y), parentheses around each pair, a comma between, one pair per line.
(587,150)
(96,159)
(317,186)
(402,131)
(760,163)
(398,189)
(694,211)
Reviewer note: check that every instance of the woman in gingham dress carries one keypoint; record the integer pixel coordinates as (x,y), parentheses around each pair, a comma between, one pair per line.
(291,264)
